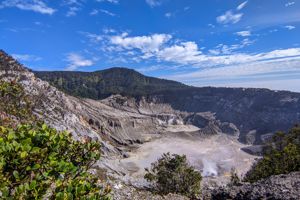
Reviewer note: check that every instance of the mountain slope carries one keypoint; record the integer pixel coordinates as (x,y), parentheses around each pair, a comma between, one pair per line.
(116,121)
(101,84)
(255,112)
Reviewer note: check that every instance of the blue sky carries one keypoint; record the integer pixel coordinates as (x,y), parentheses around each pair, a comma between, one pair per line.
(231,43)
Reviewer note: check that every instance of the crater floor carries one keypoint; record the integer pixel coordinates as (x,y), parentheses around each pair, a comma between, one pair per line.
(213,155)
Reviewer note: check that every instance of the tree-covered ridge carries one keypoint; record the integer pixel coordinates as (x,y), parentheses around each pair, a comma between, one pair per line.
(37,161)
(101,84)
(281,156)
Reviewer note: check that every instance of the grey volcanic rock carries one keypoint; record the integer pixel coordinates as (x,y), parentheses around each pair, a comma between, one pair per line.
(254,112)
(107,121)
(116,121)
(279,187)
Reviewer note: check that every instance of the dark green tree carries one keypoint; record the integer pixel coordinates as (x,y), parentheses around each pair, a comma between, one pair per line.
(173,174)
(281,156)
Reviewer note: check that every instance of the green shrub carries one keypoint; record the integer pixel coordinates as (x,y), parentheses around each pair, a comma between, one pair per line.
(37,160)
(15,105)
(234,178)
(281,156)
(173,174)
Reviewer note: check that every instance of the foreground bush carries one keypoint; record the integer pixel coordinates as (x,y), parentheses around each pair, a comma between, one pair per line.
(172,174)
(15,105)
(281,156)
(37,160)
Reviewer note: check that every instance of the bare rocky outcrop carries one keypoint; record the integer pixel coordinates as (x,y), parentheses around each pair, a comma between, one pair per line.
(278,187)
(116,121)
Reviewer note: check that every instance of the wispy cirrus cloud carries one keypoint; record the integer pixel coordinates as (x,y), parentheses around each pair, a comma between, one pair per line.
(38,6)
(242,5)
(289,3)
(26,57)
(153,3)
(110,1)
(107,12)
(243,33)
(74,6)
(231,16)
(273,73)
(76,60)
(289,27)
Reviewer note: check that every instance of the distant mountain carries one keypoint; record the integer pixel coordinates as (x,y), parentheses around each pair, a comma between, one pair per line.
(255,112)
(101,84)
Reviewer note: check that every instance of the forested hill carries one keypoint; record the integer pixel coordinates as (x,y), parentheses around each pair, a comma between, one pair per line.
(101,84)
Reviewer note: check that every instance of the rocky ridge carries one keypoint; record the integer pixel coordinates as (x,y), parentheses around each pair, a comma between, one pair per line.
(278,187)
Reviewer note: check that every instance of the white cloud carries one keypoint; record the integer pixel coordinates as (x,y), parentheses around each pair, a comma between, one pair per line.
(72,11)
(146,44)
(108,30)
(243,33)
(26,57)
(93,38)
(290,27)
(154,3)
(38,6)
(168,15)
(289,3)
(186,8)
(183,53)
(163,48)
(110,1)
(76,60)
(229,18)
(107,12)
(242,5)
(74,6)
(94,12)
(229,49)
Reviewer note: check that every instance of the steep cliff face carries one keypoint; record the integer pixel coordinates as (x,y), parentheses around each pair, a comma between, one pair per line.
(255,112)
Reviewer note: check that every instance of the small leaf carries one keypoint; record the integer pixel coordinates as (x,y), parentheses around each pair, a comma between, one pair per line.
(24,154)
(36,166)
(16,174)
(44,127)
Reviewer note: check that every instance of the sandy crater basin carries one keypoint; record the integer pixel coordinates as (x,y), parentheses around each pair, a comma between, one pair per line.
(213,156)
